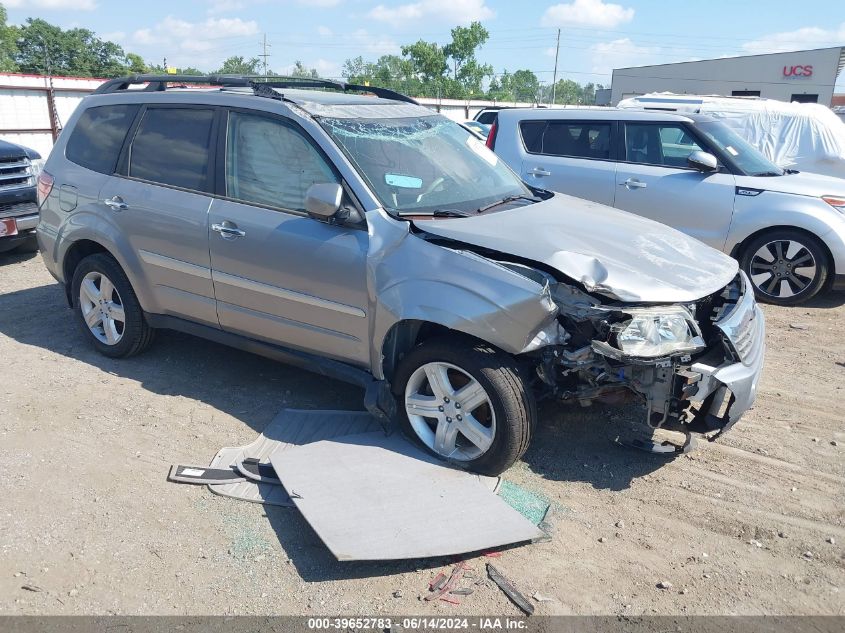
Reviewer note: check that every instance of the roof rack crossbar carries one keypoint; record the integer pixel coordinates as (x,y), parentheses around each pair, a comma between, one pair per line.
(156,83)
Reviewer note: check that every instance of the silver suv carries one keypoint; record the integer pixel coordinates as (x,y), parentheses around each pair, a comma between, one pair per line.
(368,238)
(692,172)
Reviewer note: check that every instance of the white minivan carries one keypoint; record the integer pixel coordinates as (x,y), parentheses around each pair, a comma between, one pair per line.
(787,229)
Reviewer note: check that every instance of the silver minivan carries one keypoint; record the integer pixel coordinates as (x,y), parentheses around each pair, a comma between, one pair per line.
(691,172)
(370,239)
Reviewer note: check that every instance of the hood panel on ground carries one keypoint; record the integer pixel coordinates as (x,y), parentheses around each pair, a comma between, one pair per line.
(610,252)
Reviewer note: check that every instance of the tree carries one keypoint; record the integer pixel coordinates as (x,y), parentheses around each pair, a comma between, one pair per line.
(8,35)
(135,64)
(239,65)
(300,70)
(525,86)
(428,61)
(466,70)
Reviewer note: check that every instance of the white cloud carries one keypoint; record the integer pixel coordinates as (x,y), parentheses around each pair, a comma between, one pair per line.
(194,36)
(450,11)
(71,5)
(591,13)
(324,31)
(622,53)
(319,3)
(374,44)
(807,37)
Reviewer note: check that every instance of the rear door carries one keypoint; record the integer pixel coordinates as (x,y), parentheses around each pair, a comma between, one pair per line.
(280,275)
(654,181)
(160,200)
(574,157)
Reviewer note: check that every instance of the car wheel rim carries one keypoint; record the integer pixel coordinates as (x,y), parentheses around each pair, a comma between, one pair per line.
(102,308)
(783,268)
(450,411)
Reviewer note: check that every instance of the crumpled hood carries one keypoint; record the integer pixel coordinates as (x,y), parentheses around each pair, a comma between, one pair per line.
(803,184)
(610,252)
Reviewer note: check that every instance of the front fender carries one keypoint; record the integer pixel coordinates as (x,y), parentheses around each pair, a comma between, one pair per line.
(770,208)
(457,289)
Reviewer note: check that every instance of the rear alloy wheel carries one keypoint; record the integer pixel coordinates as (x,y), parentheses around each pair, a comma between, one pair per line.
(108,309)
(786,267)
(465,402)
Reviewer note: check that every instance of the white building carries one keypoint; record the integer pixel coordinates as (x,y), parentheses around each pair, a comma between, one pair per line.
(806,76)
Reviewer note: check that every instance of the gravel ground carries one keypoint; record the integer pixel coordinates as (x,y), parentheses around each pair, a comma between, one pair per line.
(752,524)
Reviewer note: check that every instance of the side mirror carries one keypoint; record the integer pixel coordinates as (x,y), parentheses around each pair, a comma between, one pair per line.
(703,161)
(322,200)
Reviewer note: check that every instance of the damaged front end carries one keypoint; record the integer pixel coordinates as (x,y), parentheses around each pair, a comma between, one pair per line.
(694,366)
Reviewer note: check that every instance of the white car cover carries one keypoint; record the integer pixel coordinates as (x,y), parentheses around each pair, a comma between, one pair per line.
(803,136)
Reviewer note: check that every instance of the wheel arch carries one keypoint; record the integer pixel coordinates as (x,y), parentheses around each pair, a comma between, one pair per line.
(406,334)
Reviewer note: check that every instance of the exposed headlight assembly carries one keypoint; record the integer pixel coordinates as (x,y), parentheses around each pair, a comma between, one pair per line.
(658,331)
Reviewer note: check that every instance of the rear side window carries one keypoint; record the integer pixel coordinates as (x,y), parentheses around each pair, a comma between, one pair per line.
(96,140)
(487,118)
(171,147)
(578,139)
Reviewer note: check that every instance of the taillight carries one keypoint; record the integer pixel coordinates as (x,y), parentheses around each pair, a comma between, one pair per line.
(491,137)
(45,186)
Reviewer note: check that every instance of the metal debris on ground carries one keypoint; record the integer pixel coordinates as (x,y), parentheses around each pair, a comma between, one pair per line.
(509,590)
(444,587)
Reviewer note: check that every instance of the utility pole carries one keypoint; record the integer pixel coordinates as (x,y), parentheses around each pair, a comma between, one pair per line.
(265,54)
(554,76)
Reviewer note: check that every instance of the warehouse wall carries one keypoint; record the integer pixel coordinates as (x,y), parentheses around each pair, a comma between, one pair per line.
(815,72)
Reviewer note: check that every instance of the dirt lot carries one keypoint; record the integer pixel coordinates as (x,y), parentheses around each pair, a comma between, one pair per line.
(753,524)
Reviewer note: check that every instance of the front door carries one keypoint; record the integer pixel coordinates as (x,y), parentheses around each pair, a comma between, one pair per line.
(654,181)
(280,275)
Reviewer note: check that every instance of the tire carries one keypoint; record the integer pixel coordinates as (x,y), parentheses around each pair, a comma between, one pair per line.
(769,261)
(501,425)
(130,336)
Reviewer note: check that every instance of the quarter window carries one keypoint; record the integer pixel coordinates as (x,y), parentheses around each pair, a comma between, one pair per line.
(578,139)
(271,163)
(667,145)
(96,139)
(171,147)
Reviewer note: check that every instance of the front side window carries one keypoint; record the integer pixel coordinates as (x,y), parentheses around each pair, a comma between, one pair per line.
(171,147)
(668,145)
(744,155)
(271,163)
(424,163)
(98,136)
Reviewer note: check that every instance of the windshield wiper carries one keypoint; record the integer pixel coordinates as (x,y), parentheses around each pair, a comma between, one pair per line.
(437,213)
(767,174)
(487,207)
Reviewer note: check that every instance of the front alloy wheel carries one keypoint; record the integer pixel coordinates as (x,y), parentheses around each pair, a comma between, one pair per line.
(450,411)
(786,267)
(466,402)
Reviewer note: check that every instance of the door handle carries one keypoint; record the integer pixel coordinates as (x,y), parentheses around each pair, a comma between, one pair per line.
(116,203)
(539,171)
(228,230)
(633,183)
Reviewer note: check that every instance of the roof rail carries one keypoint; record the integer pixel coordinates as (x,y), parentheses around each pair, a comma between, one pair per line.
(157,83)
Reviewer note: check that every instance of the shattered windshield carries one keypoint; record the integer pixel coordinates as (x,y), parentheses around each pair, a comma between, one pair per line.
(750,160)
(425,164)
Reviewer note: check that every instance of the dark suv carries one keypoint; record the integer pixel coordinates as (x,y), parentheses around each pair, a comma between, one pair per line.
(19,169)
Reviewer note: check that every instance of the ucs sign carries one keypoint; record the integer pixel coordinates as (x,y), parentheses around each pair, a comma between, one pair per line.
(797,71)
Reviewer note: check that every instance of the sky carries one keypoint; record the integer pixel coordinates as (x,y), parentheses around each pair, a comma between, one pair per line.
(596,35)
